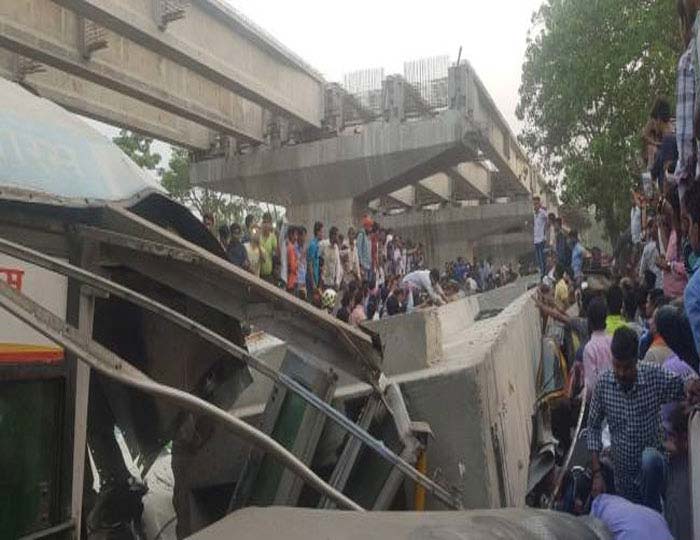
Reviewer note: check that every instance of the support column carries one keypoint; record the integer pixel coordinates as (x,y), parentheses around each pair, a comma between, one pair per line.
(80,312)
(343,213)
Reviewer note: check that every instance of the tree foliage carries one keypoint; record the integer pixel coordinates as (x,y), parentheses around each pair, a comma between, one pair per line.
(224,207)
(138,148)
(592,71)
(176,180)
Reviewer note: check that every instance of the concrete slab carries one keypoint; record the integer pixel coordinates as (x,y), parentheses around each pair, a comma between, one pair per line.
(478,401)
(302,524)
(50,34)
(100,103)
(262,70)
(411,341)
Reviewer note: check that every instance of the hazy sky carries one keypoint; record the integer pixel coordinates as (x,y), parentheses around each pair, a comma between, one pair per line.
(339,37)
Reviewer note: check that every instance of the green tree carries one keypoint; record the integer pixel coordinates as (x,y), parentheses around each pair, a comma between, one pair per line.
(176,178)
(138,148)
(591,73)
(224,207)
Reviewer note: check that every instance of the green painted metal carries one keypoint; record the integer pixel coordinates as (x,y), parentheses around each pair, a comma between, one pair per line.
(370,472)
(285,432)
(31,422)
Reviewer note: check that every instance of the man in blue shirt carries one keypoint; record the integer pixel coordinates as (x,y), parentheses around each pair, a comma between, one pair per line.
(691,201)
(459,271)
(364,248)
(629,521)
(578,253)
(313,258)
(561,244)
(236,251)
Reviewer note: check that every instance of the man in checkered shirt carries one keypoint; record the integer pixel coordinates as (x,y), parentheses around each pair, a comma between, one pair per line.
(629,397)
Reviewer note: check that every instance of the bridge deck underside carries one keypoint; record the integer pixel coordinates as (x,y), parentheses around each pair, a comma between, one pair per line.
(378,159)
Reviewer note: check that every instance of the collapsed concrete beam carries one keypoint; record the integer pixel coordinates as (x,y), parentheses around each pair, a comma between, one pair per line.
(218,43)
(99,103)
(49,34)
(372,160)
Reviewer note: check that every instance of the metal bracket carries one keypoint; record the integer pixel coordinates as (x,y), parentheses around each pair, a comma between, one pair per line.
(23,66)
(459,96)
(91,37)
(393,98)
(167,11)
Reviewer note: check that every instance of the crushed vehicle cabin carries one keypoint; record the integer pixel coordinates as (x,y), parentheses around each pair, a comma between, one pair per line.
(126,314)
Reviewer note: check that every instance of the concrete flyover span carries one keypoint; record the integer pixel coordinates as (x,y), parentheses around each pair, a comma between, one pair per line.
(375,158)
(148,65)
(365,162)
(201,37)
(465,152)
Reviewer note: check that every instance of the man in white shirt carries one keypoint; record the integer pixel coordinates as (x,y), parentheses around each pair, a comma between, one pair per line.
(541,220)
(350,259)
(636,223)
(649,272)
(332,269)
(427,281)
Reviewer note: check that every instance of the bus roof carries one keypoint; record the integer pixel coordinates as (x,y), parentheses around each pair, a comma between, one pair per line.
(47,150)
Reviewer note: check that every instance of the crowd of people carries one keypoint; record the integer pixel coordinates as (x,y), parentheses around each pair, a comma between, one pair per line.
(366,273)
(632,348)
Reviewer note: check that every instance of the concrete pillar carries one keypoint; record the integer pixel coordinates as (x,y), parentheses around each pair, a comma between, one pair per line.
(343,213)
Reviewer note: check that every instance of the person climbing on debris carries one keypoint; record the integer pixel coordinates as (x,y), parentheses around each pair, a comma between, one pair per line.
(597,356)
(424,281)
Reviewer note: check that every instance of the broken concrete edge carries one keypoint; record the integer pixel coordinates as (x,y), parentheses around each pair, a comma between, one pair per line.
(427,337)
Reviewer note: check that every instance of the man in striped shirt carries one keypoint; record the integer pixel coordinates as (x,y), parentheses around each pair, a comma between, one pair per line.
(685,106)
(629,397)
